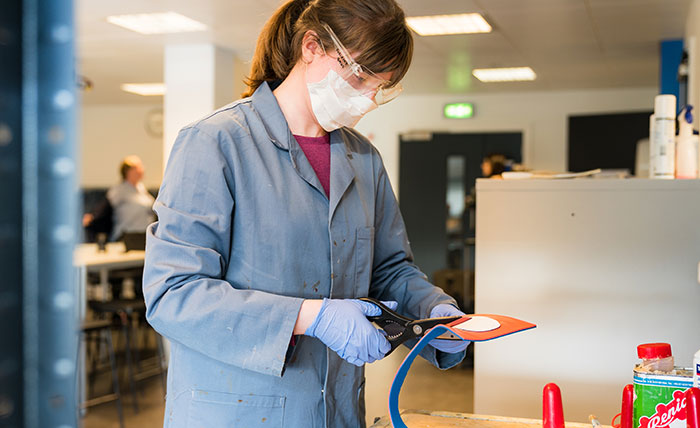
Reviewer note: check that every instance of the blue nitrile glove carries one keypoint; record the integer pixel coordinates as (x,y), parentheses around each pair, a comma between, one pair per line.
(342,325)
(449,346)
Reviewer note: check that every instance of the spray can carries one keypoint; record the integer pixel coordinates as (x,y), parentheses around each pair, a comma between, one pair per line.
(686,146)
(662,151)
(659,389)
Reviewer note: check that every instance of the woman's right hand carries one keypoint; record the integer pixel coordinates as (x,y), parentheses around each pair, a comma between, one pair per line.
(343,326)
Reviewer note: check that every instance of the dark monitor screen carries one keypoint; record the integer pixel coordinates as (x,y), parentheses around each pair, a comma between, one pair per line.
(607,141)
(134,241)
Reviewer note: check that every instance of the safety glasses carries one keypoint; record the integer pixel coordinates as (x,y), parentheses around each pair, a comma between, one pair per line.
(360,78)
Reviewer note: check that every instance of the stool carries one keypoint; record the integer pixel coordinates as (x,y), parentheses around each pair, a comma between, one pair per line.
(124,311)
(100,331)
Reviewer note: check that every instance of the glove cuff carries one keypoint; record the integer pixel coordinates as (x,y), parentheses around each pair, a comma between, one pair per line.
(311,331)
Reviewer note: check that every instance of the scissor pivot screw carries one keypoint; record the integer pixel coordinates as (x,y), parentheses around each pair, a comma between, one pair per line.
(417,329)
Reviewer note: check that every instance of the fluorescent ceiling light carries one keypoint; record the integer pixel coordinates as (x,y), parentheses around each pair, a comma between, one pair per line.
(145,89)
(157,23)
(513,74)
(465,23)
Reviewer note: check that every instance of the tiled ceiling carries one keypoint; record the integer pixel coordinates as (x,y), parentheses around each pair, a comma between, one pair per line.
(571,44)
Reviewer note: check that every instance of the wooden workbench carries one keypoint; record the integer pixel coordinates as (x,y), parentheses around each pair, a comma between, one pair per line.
(426,419)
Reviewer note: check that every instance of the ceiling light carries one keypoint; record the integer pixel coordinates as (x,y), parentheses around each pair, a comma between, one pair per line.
(513,74)
(145,89)
(157,23)
(465,23)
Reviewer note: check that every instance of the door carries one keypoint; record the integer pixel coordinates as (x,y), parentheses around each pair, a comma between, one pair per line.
(436,178)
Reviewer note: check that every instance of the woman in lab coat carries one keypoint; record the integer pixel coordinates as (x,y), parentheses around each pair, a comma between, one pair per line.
(274,217)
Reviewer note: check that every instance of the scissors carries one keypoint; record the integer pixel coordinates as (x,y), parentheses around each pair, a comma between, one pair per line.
(400,329)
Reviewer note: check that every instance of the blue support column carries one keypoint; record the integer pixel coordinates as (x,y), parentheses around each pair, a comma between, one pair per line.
(671,54)
(58,215)
(38,214)
(30,210)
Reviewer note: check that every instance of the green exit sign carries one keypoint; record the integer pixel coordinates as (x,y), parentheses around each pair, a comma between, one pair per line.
(459,110)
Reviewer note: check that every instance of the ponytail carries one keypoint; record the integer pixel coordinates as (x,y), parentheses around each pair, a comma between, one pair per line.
(375,29)
(274,52)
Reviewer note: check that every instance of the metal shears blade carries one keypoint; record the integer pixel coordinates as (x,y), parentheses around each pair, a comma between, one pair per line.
(400,329)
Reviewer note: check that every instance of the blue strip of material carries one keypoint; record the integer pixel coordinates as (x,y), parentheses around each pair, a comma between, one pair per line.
(395,390)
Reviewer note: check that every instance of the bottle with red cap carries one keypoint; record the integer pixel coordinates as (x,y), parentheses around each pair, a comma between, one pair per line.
(656,357)
(659,388)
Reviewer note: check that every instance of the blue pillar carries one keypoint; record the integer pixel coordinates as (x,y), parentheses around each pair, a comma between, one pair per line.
(671,54)
(57,213)
(38,214)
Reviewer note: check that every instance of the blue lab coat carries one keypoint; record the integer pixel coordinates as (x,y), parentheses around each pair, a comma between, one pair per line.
(245,232)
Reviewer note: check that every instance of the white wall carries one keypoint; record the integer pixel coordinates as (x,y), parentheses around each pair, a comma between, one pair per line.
(112,132)
(200,79)
(587,262)
(692,32)
(541,116)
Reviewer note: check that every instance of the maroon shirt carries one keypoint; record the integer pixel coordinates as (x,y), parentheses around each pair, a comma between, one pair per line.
(318,152)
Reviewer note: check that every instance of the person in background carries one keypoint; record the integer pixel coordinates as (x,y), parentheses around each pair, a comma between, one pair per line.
(127,206)
(274,217)
(131,203)
(493,166)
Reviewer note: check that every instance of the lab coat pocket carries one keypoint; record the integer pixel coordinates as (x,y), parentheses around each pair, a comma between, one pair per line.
(210,409)
(364,251)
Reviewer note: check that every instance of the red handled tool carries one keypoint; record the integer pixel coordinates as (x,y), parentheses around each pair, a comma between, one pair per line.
(627,419)
(692,407)
(552,409)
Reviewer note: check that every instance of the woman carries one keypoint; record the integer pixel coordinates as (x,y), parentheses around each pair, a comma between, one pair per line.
(274,216)
(131,202)
(128,207)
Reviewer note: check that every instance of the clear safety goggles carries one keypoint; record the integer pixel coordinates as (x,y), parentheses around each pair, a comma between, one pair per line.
(360,78)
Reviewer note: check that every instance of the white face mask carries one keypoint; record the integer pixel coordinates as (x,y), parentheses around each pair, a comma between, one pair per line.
(336,104)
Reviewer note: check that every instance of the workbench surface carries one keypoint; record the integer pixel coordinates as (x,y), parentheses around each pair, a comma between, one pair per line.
(427,419)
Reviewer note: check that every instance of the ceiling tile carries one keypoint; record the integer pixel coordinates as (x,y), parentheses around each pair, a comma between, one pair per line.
(569,43)
(438,7)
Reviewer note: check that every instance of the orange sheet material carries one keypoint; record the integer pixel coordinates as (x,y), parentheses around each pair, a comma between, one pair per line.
(508,326)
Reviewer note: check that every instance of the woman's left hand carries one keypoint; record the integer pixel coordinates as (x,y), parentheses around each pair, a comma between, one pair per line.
(448,346)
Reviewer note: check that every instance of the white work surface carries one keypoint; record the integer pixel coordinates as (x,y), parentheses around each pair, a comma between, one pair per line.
(600,266)
(86,258)
(439,419)
(115,257)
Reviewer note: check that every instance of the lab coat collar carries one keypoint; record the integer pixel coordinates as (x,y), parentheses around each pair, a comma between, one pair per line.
(342,171)
(272,118)
(265,104)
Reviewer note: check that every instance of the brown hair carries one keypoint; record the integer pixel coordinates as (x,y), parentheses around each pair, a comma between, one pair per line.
(376,29)
(126,164)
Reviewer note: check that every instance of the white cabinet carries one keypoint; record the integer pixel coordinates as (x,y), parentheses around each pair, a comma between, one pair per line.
(600,266)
